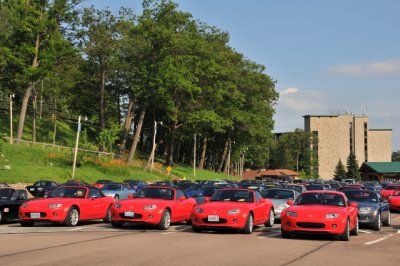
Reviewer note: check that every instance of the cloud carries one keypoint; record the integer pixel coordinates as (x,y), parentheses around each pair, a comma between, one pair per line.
(293,99)
(375,68)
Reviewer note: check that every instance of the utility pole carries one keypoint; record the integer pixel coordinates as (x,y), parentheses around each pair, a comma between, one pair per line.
(194,155)
(11,118)
(76,146)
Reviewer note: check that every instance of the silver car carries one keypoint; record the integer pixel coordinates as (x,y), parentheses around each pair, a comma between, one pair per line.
(279,197)
(117,190)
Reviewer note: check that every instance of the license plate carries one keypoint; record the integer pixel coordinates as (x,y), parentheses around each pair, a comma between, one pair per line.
(213,218)
(31,189)
(129,214)
(35,215)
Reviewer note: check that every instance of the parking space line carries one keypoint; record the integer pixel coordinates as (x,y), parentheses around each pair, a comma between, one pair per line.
(366,232)
(167,233)
(379,240)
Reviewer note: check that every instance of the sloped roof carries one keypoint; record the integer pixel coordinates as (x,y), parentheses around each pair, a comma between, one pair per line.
(382,167)
(252,174)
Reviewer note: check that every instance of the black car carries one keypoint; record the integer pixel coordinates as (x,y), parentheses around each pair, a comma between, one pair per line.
(2,184)
(41,188)
(372,209)
(10,200)
(204,192)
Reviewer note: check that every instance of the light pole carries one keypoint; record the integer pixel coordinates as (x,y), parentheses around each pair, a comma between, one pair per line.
(153,150)
(11,118)
(76,146)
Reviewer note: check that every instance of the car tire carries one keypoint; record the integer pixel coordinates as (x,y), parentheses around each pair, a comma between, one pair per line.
(107,219)
(165,220)
(189,221)
(285,234)
(354,232)
(196,229)
(2,220)
(72,218)
(26,223)
(116,224)
(388,221)
(116,197)
(271,219)
(345,236)
(377,224)
(248,228)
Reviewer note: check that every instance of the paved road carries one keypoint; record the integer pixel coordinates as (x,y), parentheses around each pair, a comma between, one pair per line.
(96,243)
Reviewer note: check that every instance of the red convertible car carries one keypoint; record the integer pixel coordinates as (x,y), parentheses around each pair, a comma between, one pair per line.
(320,212)
(67,205)
(233,208)
(394,201)
(153,205)
(389,190)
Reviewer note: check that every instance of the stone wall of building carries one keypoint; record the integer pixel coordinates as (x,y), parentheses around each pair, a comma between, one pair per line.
(379,146)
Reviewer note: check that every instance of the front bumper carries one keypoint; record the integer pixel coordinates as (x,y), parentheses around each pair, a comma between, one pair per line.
(333,226)
(236,221)
(140,216)
(53,215)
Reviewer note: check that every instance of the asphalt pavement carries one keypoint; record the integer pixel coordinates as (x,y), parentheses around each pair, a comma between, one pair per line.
(96,243)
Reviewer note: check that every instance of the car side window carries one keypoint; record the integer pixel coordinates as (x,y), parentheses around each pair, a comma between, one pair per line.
(125,187)
(94,193)
(179,194)
(258,196)
(22,194)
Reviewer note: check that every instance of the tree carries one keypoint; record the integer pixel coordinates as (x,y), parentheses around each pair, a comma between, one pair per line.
(340,171)
(352,168)
(396,156)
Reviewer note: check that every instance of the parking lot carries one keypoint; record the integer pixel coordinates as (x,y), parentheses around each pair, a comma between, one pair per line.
(100,244)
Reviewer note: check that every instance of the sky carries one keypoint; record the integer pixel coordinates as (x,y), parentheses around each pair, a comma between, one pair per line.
(327,57)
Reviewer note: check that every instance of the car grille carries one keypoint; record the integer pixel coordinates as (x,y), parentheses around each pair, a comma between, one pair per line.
(310,225)
(136,216)
(221,221)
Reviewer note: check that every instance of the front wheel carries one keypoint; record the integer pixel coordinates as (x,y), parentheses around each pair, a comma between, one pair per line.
(248,228)
(388,221)
(165,220)
(271,219)
(346,234)
(72,218)
(285,234)
(354,232)
(107,219)
(377,224)
(116,197)
(2,220)
(116,224)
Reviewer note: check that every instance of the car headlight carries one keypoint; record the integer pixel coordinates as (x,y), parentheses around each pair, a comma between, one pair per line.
(150,207)
(199,210)
(117,205)
(332,215)
(234,211)
(39,188)
(365,209)
(292,214)
(24,205)
(55,205)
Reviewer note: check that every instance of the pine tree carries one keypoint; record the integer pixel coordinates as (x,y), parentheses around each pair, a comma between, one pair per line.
(352,168)
(340,171)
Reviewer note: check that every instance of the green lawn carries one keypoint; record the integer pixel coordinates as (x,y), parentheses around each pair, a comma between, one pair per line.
(29,164)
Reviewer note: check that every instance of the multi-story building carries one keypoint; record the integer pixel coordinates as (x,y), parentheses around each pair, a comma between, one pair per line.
(338,135)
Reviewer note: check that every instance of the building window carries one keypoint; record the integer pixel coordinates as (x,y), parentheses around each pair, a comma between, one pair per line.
(351,137)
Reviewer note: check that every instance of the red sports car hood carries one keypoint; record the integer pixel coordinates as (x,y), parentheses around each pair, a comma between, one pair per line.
(318,211)
(44,203)
(394,199)
(141,202)
(224,206)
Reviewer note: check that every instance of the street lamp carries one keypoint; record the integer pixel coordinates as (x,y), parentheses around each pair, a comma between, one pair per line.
(153,150)
(76,146)
(11,118)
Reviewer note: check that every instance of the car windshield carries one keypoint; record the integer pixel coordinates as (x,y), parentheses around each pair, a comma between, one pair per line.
(116,187)
(392,187)
(315,187)
(279,194)
(207,192)
(233,195)
(103,181)
(5,194)
(68,192)
(155,193)
(320,199)
(362,196)
(39,183)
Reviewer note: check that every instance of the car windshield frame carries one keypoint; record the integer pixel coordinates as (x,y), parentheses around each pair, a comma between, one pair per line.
(6,193)
(69,192)
(112,187)
(367,197)
(233,195)
(162,193)
(279,196)
(325,199)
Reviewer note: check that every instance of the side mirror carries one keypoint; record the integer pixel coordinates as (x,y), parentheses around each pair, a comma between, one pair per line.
(182,198)
(353,204)
(131,196)
(206,199)
(262,200)
(93,197)
(289,202)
